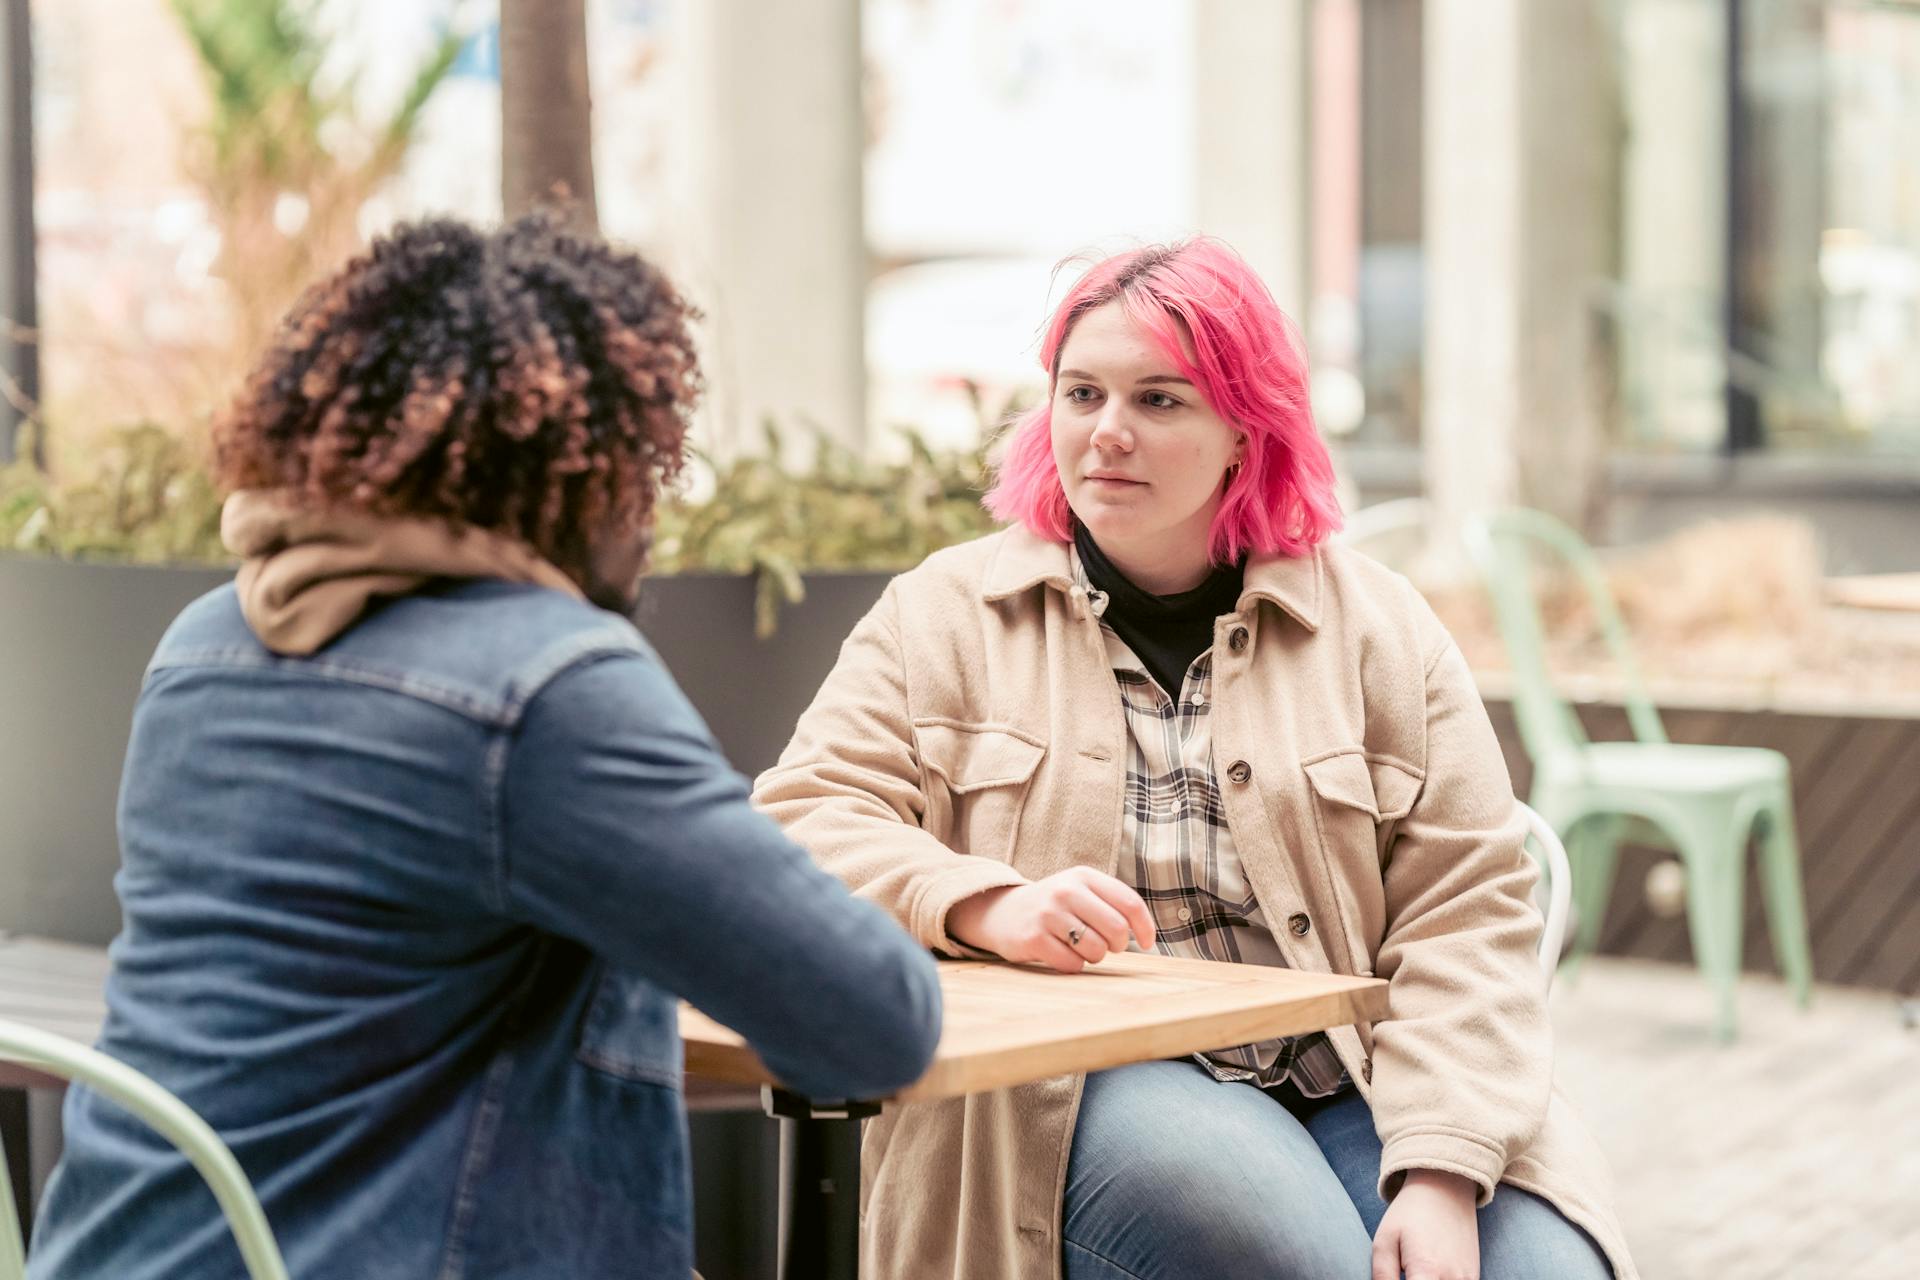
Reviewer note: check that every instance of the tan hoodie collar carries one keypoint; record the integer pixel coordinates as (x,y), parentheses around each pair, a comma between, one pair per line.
(307,574)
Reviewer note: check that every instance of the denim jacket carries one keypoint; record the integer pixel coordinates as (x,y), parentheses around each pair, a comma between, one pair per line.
(407,922)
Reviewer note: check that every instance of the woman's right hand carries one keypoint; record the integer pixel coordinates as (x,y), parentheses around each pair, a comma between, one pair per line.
(1067,921)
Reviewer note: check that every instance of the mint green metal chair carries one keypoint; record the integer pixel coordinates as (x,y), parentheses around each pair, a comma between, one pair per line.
(1703,802)
(169,1116)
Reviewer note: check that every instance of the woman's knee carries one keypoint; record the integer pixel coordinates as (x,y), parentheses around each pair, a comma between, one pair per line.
(1212,1226)
(1523,1236)
(1173,1174)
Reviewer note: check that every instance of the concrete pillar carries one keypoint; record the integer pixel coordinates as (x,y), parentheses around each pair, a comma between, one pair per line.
(1570,210)
(1250,145)
(1673,222)
(1520,207)
(1470,414)
(1782,209)
(770,240)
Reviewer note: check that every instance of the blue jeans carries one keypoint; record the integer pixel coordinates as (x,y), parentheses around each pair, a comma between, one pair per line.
(1176,1175)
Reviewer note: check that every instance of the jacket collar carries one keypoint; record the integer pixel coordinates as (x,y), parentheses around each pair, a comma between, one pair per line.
(1025,560)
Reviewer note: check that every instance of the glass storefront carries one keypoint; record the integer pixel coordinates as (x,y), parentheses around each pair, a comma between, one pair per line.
(1367,260)
(1828,298)
(1798,224)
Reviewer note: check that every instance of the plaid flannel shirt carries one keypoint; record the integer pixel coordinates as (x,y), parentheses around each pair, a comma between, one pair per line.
(1177,852)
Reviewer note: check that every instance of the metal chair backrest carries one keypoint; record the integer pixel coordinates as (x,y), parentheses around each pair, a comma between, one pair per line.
(168,1116)
(1503,547)
(1556,881)
(1382,519)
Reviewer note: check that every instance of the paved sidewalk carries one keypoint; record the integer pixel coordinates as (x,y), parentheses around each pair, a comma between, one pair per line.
(1794,1152)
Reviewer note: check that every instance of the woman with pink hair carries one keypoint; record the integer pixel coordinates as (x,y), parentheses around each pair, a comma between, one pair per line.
(1162,710)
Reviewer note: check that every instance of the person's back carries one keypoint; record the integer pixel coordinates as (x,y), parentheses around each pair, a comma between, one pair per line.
(410,900)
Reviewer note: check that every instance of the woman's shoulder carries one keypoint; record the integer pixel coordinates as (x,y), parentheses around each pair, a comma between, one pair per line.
(1365,597)
(962,563)
(985,567)
(1356,572)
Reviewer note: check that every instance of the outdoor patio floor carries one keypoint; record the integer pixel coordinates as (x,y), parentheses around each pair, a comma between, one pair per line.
(1793,1152)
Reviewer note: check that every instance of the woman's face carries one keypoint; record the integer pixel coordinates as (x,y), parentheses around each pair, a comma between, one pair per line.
(1141,455)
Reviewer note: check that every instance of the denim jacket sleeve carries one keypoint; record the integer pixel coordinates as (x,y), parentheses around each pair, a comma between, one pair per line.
(623,827)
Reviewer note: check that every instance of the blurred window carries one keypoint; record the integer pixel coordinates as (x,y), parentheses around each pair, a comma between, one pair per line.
(1365,323)
(1817,183)
(1003,137)
(1827,293)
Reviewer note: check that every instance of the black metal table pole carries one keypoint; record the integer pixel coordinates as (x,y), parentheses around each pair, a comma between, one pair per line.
(821,1235)
(16,1160)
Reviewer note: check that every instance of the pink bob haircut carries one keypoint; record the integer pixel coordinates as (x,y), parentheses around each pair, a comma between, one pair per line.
(1220,327)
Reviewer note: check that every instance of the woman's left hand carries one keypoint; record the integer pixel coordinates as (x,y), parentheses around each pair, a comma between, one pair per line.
(1431,1231)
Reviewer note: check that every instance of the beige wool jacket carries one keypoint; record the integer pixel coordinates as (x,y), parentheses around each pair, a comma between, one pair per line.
(972,735)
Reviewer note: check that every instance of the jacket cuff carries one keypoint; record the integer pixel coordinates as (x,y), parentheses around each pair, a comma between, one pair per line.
(948,889)
(1450,1150)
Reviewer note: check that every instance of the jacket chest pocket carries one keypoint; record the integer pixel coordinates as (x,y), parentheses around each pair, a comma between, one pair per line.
(632,1030)
(976,779)
(1356,800)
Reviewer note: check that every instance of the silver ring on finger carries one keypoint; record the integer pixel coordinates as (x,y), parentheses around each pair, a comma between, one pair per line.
(1074,935)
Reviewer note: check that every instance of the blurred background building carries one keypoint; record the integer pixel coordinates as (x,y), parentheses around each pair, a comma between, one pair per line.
(1635,260)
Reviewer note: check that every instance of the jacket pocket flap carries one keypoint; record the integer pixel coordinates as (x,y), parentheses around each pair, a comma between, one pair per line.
(1343,779)
(632,1029)
(969,758)
(1377,787)
(1395,788)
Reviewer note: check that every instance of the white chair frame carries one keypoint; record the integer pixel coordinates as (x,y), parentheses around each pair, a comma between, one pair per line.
(1557,882)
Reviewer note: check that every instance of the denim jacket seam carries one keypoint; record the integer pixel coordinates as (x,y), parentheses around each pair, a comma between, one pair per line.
(527,683)
(463,702)
(480,1139)
(632,1069)
(532,677)
(494,783)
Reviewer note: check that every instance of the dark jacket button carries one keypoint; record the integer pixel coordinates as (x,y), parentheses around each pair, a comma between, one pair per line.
(1299,923)
(1239,771)
(1237,639)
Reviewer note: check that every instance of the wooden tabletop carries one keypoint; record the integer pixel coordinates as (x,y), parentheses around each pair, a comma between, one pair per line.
(1005,1024)
(1895,591)
(1011,1024)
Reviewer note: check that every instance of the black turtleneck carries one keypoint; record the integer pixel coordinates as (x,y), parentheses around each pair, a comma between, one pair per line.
(1166,632)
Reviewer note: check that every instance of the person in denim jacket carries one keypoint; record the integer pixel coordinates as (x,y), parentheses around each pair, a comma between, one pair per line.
(421,845)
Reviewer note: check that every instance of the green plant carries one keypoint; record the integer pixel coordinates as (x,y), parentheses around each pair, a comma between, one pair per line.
(846,513)
(288,156)
(150,500)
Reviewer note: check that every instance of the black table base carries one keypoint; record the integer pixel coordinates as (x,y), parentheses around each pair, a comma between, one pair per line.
(821,1239)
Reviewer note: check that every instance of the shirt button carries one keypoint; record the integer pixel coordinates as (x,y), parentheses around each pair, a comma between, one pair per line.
(1199,700)
(1184,914)
(1366,1070)
(1240,771)
(1237,639)
(1299,923)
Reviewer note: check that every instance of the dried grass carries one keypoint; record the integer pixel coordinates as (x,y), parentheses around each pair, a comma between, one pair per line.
(1734,606)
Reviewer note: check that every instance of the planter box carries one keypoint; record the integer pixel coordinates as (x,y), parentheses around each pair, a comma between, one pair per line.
(77,637)
(1858,810)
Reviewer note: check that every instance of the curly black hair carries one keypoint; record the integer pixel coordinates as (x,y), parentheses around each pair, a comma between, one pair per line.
(529,380)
